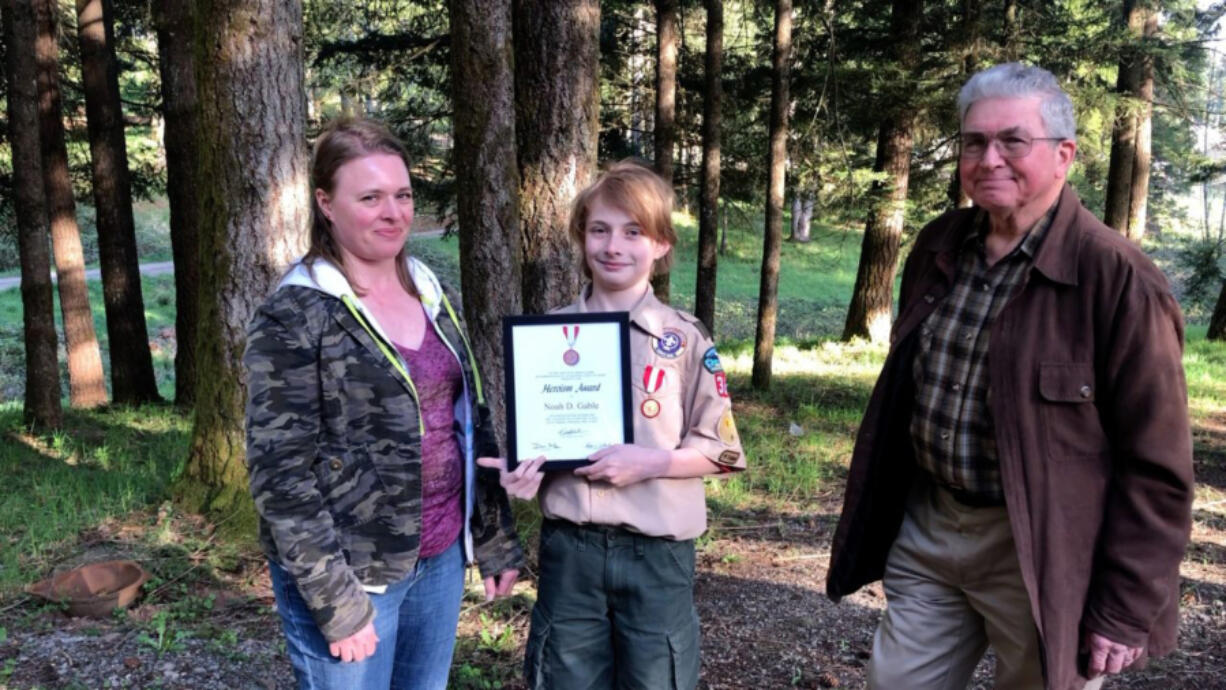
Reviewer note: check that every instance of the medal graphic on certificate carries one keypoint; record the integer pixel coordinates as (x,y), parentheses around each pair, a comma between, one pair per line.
(653,379)
(571,356)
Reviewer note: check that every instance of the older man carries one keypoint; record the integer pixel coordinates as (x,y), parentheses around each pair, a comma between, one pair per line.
(1022,477)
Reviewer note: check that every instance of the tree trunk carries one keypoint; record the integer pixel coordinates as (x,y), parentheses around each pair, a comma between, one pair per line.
(252,118)
(42,408)
(1139,199)
(175,27)
(803,225)
(487,182)
(1011,32)
(871,309)
(85,378)
(556,107)
(132,379)
(666,108)
(708,209)
(768,292)
(971,35)
(1128,174)
(1217,323)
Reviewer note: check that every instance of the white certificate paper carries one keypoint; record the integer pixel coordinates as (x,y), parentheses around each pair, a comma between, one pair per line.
(567,386)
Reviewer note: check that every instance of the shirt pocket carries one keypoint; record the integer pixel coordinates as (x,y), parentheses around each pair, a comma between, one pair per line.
(1068,414)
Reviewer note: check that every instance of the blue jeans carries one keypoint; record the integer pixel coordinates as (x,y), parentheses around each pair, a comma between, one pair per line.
(415,620)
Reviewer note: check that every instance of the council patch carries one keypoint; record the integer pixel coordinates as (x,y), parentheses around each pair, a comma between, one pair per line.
(670,345)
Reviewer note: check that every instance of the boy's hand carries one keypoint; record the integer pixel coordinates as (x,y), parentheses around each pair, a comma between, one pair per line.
(625,464)
(524,482)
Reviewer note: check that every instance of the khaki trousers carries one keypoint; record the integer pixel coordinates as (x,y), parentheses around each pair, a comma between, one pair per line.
(953,587)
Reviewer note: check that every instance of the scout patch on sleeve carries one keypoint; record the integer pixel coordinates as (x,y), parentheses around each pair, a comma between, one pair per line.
(726,428)
(670,345)
(721,384)
(729,457)
(710,360)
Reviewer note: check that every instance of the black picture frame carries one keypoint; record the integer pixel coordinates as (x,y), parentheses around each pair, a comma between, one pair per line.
(516,417)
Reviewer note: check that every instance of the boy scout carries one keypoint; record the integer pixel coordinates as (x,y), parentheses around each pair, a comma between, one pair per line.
(615,604)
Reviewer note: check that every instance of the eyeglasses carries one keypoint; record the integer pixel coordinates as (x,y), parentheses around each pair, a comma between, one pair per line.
(973,145)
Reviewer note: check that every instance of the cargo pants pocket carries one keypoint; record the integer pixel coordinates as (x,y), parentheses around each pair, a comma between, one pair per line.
(683,646)
(534,654)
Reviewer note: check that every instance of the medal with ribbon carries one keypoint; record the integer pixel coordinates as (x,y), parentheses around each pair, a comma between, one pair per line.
(571,333)
(653,380)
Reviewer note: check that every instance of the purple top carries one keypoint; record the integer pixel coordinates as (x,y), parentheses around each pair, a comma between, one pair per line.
(437,377)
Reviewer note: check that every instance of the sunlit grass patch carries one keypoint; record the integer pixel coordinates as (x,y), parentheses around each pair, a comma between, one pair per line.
(103,464)
(798,436)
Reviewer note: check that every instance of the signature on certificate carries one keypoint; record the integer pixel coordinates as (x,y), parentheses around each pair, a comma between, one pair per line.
(568,433)
(544,445)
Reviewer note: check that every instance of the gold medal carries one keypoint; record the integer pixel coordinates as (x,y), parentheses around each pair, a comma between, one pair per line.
(650,408)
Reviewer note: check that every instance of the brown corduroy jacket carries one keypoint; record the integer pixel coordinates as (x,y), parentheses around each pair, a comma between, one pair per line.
(1090,408)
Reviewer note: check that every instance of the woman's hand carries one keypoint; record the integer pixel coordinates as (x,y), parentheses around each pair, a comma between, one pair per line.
(357,646)
(524,482)
(500,585)
(625,464)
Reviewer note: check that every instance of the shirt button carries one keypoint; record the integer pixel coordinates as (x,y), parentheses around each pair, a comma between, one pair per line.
(336,465)
(944,435)
(600,493)
(929,299)
(956,387)
(985,287)
(967,334)
(1086,390)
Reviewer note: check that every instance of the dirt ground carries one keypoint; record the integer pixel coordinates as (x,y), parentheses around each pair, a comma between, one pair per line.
(766,622)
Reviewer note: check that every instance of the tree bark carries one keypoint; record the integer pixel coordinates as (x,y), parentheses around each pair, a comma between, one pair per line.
(132,379)
(1139,199)
(871,310)
(768,291)
(1217,323)
(85,377)
(802,225)
(175,28)
(1128,174)
(666,109)
(252,118)
(708,209)
(1012,29)
(556,107)
(487,182)
(42,408)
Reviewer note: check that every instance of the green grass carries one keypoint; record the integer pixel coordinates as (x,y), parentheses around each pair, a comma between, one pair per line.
(102,464)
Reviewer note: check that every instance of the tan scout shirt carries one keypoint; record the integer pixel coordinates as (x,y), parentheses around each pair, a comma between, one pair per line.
(679,400)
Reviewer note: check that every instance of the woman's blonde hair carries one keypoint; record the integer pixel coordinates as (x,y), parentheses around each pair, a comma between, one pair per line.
(343,140)
(641,194)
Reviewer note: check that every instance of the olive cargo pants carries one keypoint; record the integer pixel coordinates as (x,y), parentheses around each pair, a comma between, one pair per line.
(614,609)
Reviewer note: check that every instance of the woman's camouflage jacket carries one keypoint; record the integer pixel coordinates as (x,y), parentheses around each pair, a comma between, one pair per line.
(334,446)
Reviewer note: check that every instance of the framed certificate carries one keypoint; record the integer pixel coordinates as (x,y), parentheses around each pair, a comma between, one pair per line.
(567,386)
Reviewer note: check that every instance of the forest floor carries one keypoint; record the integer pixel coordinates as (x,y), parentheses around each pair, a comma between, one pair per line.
(208,620)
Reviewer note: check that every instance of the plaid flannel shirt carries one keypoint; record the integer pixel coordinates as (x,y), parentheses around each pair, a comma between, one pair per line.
(951,426)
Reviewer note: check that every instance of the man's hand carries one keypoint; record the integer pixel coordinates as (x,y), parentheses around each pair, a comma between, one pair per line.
(625,464)
(500,585)
(524,482)
(357,646)
(1107,656)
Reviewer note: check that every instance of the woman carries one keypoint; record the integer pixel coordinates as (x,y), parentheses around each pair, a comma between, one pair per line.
(365,412)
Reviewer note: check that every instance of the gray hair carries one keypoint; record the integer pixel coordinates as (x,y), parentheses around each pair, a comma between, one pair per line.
(1015,80)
